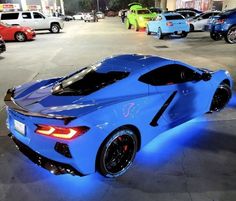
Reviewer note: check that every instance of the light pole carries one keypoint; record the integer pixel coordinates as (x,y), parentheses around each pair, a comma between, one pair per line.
(98,5)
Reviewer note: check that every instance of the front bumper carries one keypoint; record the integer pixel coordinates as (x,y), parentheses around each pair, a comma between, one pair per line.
(54,167)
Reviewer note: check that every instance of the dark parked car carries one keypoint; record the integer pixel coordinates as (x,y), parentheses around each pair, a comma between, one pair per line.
(188,12)
(2,45)
(224,25)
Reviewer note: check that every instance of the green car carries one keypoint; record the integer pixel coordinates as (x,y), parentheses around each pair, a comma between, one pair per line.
(138,17)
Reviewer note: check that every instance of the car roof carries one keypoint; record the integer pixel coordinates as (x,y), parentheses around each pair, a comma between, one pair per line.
(133,63)
(170,14)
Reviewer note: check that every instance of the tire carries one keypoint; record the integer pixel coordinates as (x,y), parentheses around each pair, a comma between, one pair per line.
(136,26)
(184,34)
(230,36)
(20,37)
(55,28)
(117,153)
(216,36)
(221,97)
(147,30)
(191,28)
(128,25)
(159,34)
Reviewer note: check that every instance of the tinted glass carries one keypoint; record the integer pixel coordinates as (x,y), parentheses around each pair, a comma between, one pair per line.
(89,80)
(10,16)
(206,16)
(26,15)
(170,74)
(174,17)
(37,15)
(142,12)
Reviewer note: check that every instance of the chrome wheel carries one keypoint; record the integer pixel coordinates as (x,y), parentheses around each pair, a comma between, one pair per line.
(118,153)
(159,33)
(231,35)
(147,30)
(55,28)
(20,37)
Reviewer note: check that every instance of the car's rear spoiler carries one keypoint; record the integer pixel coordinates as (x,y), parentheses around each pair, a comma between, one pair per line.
(10,102)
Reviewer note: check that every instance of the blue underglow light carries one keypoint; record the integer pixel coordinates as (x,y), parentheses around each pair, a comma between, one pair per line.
(172,142)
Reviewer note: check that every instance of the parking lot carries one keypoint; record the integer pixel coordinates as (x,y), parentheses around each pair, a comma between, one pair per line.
(194,162)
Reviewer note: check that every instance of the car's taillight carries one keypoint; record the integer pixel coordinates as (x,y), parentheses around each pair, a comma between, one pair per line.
(61,132)
(220,21)
(169,24)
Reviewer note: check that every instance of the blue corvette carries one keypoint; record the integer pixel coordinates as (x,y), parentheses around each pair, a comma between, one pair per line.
(97,118)
(167,24)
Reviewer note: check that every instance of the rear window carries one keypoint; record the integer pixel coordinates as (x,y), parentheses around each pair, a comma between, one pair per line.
(142,12)
(9,16)
(174,17)
(87,81)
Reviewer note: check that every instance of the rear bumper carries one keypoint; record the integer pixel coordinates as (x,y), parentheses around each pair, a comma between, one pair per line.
(54,167)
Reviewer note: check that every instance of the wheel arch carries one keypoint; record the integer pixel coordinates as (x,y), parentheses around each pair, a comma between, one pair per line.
(53,22)
(226,81)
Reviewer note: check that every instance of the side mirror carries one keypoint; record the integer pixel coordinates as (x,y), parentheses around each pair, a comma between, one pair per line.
(206,76)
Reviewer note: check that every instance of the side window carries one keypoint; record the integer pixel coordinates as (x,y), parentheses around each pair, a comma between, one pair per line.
(9,16)
(26,15)
(37,15)
(167,75)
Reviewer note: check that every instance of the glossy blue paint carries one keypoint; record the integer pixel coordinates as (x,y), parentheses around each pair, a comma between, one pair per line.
(126,102)
(178,25)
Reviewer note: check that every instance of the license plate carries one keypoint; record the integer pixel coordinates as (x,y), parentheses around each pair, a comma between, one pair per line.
(20,127)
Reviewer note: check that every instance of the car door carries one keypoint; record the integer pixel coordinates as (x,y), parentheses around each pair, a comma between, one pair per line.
(153,25)
(40,21)
(183,92)
(27,20)
(202,21)
(4,33)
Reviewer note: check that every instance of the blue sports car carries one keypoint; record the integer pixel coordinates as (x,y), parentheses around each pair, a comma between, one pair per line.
(167,24)
(98,117)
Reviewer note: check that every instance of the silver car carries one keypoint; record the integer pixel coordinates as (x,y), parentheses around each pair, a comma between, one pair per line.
(199,22)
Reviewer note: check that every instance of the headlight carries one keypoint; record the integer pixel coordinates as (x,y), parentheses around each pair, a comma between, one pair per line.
(28,30)
(140,18)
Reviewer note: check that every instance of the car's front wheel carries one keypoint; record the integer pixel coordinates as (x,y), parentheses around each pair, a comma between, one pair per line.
(136,26)
(215,36)
(20,37)
(55,28)
(117,153)
(128,25)
(230,37)
(221,97)
(148,31)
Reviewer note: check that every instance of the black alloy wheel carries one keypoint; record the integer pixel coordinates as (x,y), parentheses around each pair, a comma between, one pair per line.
(221,97)
(216,36)
(117,153)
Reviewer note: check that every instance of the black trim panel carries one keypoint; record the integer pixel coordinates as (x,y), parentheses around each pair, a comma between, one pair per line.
(54,167)
(155,119)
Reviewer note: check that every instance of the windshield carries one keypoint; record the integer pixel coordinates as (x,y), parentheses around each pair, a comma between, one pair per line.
(143,12)
(87,81)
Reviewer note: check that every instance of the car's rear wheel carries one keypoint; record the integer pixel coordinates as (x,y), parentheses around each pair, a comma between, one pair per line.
(117,153)
(136,26)
(221,97)
(184,34)
(230,37)
(191,27)
(128,25)
(20,37)
(148,31)
(55,28)
(216,36)
(159,33)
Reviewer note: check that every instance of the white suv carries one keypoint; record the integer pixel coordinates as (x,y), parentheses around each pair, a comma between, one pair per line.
(33,19)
